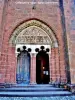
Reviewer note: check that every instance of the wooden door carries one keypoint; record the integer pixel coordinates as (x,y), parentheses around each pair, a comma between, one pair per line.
(23,68)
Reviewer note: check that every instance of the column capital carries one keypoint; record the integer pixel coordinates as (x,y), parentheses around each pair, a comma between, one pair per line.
(33,54)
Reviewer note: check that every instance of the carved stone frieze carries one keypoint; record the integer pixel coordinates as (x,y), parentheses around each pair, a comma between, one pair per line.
(32,35)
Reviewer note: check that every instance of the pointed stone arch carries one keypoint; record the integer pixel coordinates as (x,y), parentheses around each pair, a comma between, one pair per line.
(20,33)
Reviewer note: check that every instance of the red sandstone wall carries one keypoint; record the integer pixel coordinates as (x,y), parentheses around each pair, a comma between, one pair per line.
(69,6)
(18,13)
(1,14)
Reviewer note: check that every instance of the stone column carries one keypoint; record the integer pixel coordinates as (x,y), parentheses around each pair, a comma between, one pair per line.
(57,65)
(52,65)
(33,69)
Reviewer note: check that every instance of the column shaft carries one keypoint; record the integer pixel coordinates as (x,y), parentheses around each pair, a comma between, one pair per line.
(33,69)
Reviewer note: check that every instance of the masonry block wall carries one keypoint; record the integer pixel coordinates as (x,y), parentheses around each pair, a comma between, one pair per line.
(15,12)
(69,10)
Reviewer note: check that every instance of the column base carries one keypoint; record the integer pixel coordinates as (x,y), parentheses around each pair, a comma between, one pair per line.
(50,82)
(33,83)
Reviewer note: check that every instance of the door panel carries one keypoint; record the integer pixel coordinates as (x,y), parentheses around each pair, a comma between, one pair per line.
(23,69)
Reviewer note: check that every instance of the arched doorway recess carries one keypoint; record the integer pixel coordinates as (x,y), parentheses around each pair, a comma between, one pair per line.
(34,32)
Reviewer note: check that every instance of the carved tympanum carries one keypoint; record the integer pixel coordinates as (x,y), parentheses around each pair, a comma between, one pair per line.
(33,35)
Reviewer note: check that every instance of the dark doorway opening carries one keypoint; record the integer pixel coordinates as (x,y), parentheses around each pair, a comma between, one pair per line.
(42,68)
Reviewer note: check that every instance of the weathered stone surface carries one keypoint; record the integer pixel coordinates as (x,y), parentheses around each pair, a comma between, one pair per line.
(17,12)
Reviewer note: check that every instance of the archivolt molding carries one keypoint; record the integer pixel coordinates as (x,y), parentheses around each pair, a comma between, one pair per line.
(40,29)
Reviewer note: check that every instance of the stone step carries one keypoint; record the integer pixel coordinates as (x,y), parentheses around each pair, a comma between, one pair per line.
(32,89)
(34,85)
(40,90)
(35,94)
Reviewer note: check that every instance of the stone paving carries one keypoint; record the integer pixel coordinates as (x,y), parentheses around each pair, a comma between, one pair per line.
(39,98)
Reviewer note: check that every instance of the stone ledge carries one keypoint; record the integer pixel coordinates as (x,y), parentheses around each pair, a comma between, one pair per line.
(71,87)
(6,85)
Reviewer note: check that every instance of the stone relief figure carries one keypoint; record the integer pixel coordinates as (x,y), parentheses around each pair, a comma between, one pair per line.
(33,35)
